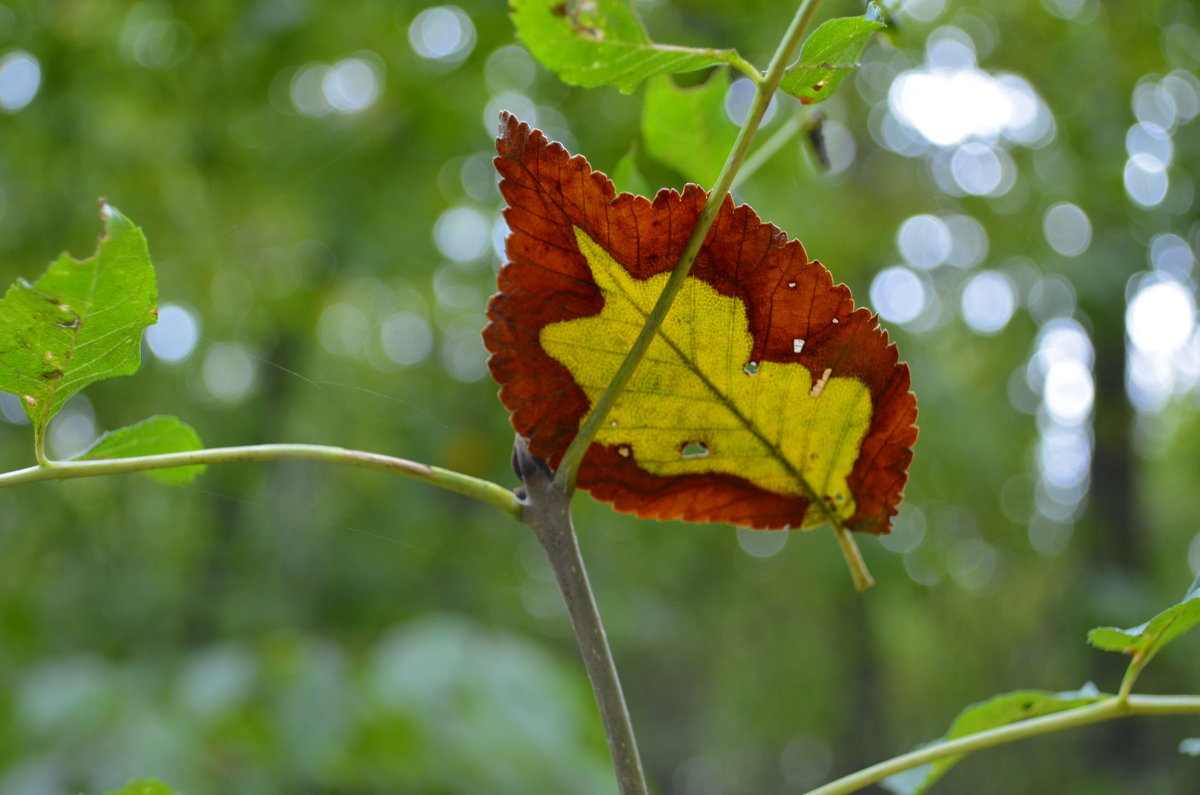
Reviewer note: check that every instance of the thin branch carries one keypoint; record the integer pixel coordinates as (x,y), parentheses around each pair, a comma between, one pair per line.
(1108,709)
(548,514)
(483,490)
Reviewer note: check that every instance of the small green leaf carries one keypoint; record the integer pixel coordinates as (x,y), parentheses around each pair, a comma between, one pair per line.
(144,786)
(991,714)
(626,175)
(152,436)
(602,43)
(686,128)
(1190,746)
(828,55)
(81,322)
(1144,641)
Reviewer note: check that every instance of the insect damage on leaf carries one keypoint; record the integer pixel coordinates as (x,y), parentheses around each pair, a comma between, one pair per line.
(764,390)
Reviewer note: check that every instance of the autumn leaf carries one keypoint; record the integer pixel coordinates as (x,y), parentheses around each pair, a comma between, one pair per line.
(764,390)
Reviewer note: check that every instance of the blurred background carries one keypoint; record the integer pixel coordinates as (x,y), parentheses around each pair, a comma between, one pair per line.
(1011,186)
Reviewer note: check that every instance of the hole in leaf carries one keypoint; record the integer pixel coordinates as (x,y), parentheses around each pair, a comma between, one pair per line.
(693,450)
(751,368)
(624,451)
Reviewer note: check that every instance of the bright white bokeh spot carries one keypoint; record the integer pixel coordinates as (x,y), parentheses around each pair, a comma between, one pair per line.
(1065,455)
(1059,341)
(442,33)
(740,97)
(1184,90)
(1068,229)
(950,101)
(1171,256)
(406,337)
(988,302)
(839,146)
(229,373)
(1153,104)
(1161,316)
(924,241)
(352,85)
(1146,180)
(898,294)
(1068,391)
(462,234)
(342,329)
(968,241)
(73,429)
(761,543)
(20,78)
(174,336)
(1145,138)
(977,169)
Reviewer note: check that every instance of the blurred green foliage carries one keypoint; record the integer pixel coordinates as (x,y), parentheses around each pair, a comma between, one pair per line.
(292,628)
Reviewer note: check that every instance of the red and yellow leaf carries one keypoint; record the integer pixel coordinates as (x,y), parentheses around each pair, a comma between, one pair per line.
(763,389)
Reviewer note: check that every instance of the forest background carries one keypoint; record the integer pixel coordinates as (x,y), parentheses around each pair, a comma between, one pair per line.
(1011,186)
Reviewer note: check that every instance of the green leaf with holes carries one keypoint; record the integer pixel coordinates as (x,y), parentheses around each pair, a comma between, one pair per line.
(602,43)
(81,322)
(828,55)
(991,714)
(152,436)
(686,128)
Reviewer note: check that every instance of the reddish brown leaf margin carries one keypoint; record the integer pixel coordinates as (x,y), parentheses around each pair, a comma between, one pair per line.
(547,280)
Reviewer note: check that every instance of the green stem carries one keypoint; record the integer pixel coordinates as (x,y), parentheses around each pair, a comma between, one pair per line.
(568,467)
(769,147)
(1108,709)
(483,490)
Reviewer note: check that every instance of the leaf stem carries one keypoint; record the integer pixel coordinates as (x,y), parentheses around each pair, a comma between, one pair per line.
(1108,709)
(568,467)
(758,158)
(483,490)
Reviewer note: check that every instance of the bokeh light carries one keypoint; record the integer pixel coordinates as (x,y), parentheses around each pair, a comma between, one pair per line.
(1067,228)
(898,294)
(173,338)
(988,302)
(20,78)
(443,34)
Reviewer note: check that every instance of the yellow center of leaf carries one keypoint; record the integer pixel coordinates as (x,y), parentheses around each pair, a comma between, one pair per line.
(697,404)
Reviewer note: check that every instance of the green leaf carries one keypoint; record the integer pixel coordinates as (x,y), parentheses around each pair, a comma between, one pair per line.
(991,714)
(143,786)
(152,436)
(603,43)
(827,57)
(81,322)
(1144,641)
(686,128)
